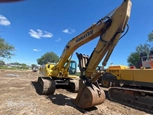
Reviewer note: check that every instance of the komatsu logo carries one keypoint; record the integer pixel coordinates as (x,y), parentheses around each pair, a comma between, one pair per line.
(85,35)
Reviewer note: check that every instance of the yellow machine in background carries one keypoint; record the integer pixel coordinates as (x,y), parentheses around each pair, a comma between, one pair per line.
(109,29)
(130,85)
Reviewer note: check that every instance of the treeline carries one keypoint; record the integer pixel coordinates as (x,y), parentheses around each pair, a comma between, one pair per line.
(144,48)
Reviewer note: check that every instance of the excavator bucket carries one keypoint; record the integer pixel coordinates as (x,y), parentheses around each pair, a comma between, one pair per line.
(89,96)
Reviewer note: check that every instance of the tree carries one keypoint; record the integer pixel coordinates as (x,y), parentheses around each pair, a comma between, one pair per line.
(23,64)
(2,62)
(134,57)
(143,48)
(5,49)
(150,36)
(33,65)
(48,57)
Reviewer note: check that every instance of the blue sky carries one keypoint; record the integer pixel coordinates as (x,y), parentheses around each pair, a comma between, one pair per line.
(35,27)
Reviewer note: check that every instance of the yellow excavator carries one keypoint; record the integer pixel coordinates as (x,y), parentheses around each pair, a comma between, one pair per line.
(145,61)
(109,30)
(130,85)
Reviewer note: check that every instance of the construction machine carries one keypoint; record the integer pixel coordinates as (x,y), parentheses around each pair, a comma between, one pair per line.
(67,77)
(35,69)
(145,61)
(109,30)
(132,86)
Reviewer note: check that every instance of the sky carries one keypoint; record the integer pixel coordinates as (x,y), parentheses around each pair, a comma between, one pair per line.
(35,27)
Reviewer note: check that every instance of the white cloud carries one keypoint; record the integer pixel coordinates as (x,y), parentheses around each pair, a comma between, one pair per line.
(36,50)
(40,34)
(47,35)
(69,31)
(4,21)
(66,31)
(59,39)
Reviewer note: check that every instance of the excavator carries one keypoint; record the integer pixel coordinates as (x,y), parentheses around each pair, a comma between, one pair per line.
(130,85)
(110,29)
(145,61)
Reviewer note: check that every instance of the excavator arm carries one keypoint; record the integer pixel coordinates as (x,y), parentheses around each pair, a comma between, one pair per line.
(90,93)
(109,37)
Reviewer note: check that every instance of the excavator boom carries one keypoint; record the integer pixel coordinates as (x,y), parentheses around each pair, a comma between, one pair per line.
(86,36)
(90,94)
(109,37)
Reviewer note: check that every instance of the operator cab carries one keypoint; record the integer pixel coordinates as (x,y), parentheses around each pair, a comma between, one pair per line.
(72,67)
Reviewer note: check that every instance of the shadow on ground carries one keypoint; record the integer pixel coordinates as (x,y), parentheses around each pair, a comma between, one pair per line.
(61,99)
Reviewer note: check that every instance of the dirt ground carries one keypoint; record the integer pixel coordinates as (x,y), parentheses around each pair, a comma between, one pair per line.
(18,96)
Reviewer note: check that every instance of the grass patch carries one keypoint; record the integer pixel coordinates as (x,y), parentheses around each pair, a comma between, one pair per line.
(13,68)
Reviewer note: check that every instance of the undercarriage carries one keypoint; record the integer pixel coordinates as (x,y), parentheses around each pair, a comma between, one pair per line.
(139,98)
(48,84)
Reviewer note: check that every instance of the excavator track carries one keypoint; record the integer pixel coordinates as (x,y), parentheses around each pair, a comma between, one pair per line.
(133,97)
(74,85)
(46,85)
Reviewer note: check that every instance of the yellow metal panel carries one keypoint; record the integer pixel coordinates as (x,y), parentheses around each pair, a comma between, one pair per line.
(118,71)
(138,75)
(143,75)
(117,67)
(126,74)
